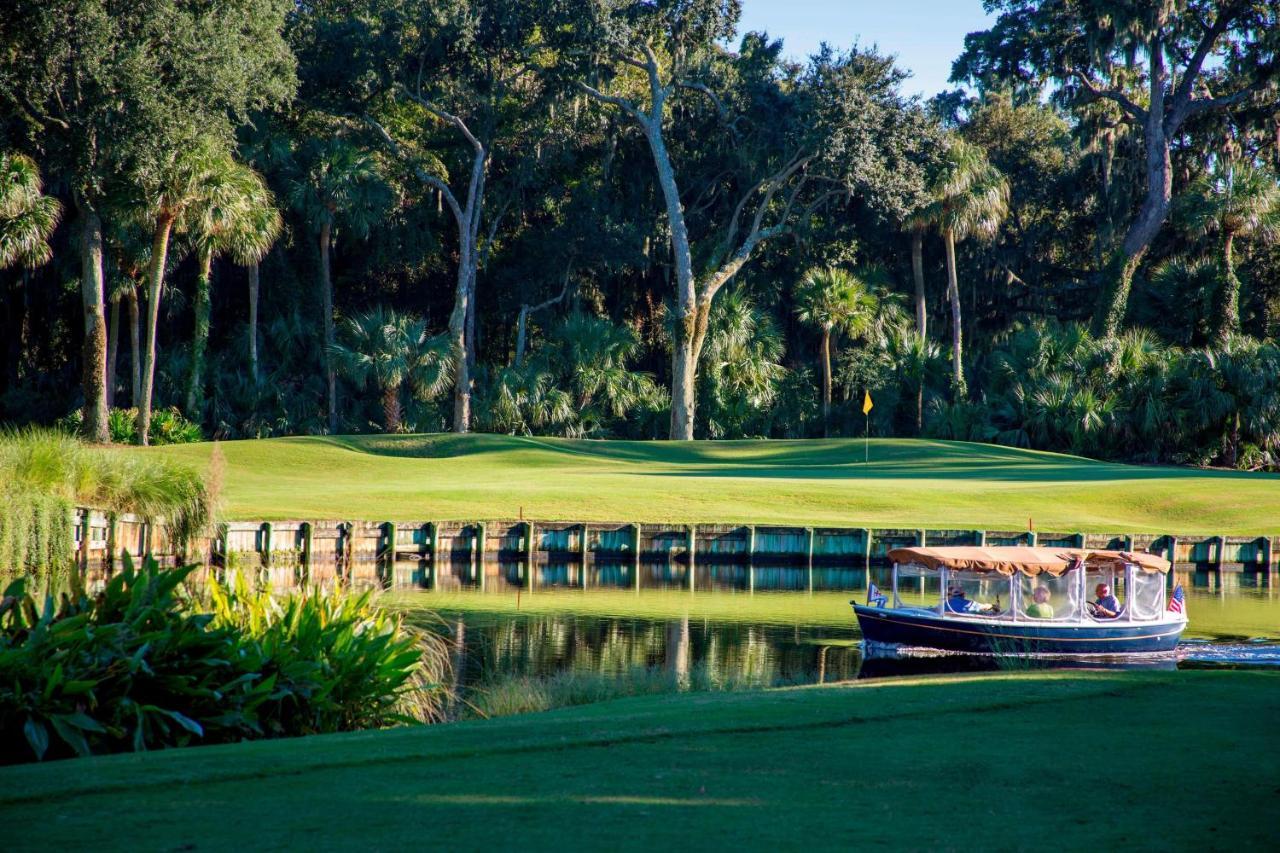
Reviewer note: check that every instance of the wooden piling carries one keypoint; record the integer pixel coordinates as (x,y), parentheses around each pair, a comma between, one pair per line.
(635,555)
(266,544)
(751,559)
(390,556)
(530,544)
(478,551)
(304,567)
(692,550)
(113,544)
(811,536)
(582,554)
(433,546)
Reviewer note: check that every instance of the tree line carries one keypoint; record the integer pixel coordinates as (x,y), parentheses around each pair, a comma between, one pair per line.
(619,218)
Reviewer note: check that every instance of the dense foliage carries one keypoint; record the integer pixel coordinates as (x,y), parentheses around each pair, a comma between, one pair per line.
(45,474)
(610,218)
(142,665)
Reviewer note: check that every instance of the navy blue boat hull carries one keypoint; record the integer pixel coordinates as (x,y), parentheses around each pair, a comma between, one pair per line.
(891,627)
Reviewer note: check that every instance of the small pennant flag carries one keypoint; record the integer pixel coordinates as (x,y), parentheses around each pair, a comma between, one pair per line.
(1178,603)
(866,402)
(875,597)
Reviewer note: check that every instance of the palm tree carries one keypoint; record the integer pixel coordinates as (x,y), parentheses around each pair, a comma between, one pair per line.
(1234,200)
(970,198)
(741,367)
(917,361)
(27,220)
(236,215)
(339,188)
(393,350)
(170,191)
(595,353)
(835,299)
(27,215)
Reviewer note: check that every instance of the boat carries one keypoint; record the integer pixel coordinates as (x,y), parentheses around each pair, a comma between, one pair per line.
(1025,600)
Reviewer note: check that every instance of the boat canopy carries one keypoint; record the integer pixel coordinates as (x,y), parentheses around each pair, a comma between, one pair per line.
(1010,559)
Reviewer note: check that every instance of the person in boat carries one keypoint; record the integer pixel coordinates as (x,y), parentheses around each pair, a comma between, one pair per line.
(1105,606)
(957,602)
(1040,607)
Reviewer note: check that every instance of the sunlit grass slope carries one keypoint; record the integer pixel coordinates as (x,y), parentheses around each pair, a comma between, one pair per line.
(1026,761)
(908,483)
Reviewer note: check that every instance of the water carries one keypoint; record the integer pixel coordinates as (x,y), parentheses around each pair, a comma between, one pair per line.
(731,640)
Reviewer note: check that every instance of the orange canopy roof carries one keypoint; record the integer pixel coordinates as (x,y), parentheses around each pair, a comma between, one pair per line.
(1030,561)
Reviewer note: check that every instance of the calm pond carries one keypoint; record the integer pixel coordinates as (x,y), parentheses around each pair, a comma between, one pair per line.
(727,640)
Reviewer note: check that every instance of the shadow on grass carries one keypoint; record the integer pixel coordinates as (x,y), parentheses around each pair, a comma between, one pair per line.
(834,459)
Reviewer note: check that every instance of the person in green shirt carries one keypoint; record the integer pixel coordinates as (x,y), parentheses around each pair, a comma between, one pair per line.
(1040,607)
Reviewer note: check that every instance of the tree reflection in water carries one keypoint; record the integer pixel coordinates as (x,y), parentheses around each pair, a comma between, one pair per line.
(689,653)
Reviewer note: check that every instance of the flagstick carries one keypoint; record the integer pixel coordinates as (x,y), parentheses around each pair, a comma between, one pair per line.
(866,440)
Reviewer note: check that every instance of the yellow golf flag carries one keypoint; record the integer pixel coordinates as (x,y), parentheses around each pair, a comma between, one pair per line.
(866,403)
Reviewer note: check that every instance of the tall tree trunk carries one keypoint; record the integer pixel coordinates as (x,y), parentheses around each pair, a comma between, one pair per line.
(959,388)
(253,321)
(113,351)
(391,408)
(1155,207)
(1229,297)
(683,356)
(472,342)
(917,270)
(920,408)
(155,287)
(458,340)
(826,382)
(94,355)
(326,305)
(135,347)
(200,339)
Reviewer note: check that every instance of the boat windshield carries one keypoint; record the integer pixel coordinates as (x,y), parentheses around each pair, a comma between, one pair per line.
(1047,597)
(917,587)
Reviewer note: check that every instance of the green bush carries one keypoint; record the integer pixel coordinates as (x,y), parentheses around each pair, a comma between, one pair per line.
(122,426)
(143,665)
(44,472)
(168,426)
(36,534)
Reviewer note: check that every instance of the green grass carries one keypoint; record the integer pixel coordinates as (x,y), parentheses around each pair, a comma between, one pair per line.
(1135,760)
(909,483)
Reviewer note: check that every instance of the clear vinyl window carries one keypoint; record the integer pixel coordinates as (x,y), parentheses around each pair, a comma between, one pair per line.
(1104,594)
(1047,597)
(976,594)
(1146,597)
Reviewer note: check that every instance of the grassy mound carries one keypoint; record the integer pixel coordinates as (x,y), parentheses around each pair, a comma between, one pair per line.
(1143,760)
(908,482)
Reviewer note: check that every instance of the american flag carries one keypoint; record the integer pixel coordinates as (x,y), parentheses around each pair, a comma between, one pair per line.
(1177,604)
(875,596)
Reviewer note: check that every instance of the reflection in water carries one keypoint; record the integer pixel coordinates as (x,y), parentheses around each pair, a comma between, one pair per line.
(709,654)
(595,631)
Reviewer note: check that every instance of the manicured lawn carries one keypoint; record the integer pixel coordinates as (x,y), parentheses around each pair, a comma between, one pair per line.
(1107,760)
(908,483)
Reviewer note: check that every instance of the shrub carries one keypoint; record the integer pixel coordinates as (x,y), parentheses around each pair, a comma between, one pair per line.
(168,426)
(44,472)
(122,426)
(142,666)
